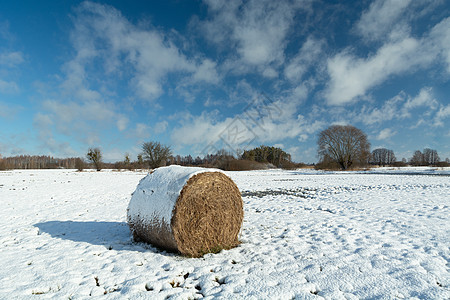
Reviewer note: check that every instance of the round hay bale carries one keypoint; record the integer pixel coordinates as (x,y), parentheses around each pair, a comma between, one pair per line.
(188,210)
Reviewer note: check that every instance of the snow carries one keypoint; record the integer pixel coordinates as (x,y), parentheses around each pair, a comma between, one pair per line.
(306,235)
(413,170)
(157,193)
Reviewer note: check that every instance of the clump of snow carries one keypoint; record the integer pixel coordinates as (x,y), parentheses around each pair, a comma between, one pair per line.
(157,193)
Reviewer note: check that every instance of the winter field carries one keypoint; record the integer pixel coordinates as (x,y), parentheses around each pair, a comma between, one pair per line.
(382,234)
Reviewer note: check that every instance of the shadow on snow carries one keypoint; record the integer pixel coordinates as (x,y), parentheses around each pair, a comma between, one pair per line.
(112,235)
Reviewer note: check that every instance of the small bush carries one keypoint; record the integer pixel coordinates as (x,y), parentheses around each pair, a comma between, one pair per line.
(118,165)
(327,165)
(442,164)
(289,165)
(242,165)
(79,164)
(334,166)
(399,164)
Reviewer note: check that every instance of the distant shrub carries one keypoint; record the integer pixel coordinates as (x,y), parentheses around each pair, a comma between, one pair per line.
(442,164)
(334,166)
(242,165)
(399,164)
(118,165)
(327,165)
(289,165)
(79,164)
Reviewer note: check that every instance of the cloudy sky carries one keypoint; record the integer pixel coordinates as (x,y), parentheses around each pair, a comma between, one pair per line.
(201,76)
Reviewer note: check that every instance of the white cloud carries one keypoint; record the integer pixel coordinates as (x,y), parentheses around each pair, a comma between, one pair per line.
(8,110)
(256,30)
(303,137)
(265,122)
(305,58)
(278,146)
(440,40)
(113,155)
(142,131)
(43,123)
(278,120)
(75,83)
(122,123)
(423,99)
(341,122)
(83,122)
(441,115)
(103,37)
(388,111)
(207,72)
(211,102)
(201,129)
(68,112)
(8,87)
(5,32)
(11,59)
(294,152)
(386,134)
(269,72)
(300,93)
(161,127)
(109,50)
(380,18)
(92,138)
(398,107)
(351,77)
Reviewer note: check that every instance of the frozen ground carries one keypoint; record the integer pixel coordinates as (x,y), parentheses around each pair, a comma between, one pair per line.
(306,235)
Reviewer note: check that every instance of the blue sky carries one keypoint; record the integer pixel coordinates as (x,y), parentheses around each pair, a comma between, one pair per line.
(200,76)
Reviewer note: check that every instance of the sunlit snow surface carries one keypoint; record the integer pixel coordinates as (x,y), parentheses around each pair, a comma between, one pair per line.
(306,235)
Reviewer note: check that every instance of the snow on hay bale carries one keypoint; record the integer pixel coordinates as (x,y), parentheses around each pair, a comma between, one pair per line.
(190,210)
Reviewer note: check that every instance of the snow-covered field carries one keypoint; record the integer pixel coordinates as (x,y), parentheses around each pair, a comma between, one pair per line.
(306,235)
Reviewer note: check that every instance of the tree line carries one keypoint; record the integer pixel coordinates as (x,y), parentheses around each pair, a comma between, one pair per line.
(37,162)
(339,147)
(345,146)
(154,155)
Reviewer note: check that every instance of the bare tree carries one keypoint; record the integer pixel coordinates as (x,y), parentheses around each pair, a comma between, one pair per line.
(430,156)
(345,145)
(382,157)
(94,155)
(155,154)
(417,159)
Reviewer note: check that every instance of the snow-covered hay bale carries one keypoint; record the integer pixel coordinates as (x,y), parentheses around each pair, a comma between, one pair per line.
(190,210)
